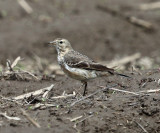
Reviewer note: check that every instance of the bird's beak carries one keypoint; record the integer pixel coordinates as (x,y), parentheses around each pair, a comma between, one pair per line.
(52,43)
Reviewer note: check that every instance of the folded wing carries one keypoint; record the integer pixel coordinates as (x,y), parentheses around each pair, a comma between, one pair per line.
(76,60)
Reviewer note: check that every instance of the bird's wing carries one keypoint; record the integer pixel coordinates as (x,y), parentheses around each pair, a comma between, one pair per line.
(76,60)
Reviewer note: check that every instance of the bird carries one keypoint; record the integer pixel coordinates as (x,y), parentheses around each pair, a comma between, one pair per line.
(78,66)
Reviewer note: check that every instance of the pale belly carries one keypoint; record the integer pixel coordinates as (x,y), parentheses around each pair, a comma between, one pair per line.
(79,74)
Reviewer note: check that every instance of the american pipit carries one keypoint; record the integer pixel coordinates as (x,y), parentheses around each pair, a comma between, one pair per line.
(79,66)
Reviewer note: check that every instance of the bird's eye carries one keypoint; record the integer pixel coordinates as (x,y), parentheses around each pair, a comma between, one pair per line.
(60,42)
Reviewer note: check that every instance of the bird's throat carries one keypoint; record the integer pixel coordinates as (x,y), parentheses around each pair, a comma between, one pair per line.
(62,52)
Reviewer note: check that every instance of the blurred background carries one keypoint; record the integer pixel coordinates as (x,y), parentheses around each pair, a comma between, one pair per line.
(104,30)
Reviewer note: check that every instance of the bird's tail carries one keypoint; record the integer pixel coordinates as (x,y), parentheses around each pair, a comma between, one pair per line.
(123,75)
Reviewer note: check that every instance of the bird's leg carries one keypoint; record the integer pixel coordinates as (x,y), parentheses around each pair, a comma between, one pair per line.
(85,88)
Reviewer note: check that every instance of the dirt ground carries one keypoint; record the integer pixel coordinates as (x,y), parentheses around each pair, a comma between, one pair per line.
(97,32)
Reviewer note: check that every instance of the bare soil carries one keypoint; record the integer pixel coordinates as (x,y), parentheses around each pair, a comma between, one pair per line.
(98,34)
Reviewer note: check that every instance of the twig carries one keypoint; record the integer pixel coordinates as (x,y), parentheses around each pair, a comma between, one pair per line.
(9,66)
(34,93)
(64,96)
(82,120)
(30,119)
(10,72)
(46,93)
(30,74)
(42,106)
(140,22)
(129,92)
(150,91)
(158,81)
(115,89)
(83,98)
(25,6)
(124,60)
(141,127)
(134,69)
(134,93)
(10,99)
(8,117)
(76,118)
(144,84)
(7,73)
(150,6)
(131,19)
(16,61)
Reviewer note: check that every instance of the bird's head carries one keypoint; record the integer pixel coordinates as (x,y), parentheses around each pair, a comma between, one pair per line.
(62,45)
